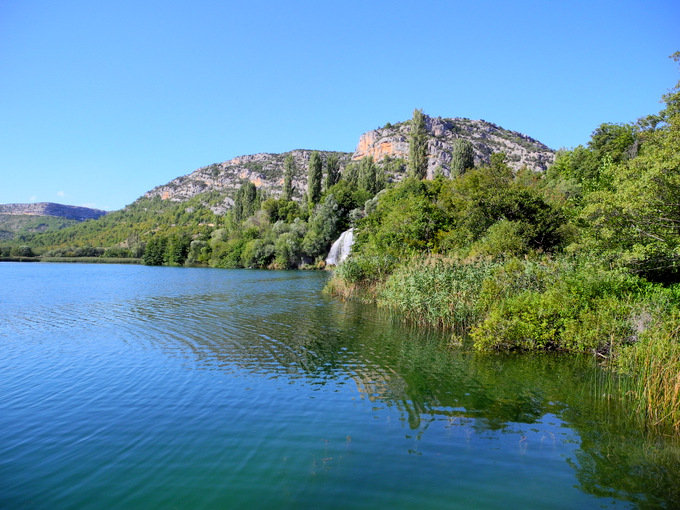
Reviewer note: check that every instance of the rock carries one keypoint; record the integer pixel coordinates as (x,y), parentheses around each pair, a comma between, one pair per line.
(486,139)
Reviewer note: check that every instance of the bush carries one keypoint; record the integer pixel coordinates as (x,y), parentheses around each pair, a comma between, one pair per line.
(576,308)
(365,269)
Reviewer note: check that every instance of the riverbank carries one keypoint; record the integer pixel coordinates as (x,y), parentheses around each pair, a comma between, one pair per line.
(549,304)
(83,260)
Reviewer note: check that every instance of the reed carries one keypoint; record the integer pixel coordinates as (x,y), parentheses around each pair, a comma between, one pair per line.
(435,292)
(653,364)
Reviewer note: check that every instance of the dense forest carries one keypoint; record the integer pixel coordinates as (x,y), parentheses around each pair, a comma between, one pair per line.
(584,257)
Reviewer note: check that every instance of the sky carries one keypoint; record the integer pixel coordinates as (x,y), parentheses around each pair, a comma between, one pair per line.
(101,101)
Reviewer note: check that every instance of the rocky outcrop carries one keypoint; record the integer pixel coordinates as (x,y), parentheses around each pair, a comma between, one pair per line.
(219,182)
(264,170)
(70,212)
(486,138)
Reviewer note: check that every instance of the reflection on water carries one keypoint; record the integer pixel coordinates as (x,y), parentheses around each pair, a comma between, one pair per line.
(135,387)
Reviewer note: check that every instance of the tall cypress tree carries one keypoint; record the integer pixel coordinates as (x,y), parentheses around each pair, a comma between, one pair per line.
(462,157)
(332,170)
(417,154)
(315,175)
(368,175)
(244,202)
(288,174)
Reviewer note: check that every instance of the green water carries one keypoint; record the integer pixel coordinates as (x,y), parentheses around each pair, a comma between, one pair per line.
(137,387)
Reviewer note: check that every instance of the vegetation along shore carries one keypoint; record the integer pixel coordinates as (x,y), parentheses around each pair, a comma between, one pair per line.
(507,245)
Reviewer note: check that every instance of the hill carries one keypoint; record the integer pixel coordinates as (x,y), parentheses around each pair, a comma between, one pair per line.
(196,203)
(17,219)
(385,145)
(70,212)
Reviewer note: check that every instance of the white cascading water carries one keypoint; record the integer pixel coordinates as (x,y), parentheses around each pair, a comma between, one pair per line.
(341,247)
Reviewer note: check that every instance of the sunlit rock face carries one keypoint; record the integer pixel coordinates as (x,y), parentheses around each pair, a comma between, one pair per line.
(486,138)
(383,144)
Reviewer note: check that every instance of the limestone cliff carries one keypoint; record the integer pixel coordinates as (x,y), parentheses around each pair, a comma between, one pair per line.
(486,138)
(221,180)
(264,170)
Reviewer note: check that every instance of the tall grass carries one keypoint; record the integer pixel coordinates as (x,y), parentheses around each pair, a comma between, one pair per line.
(653,364)
(437,293)
(631,324)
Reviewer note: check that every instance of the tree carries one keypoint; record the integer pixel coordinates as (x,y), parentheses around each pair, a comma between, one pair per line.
(417,155)
(289,171)
(636,218)
(314,182)
(245,201)
(462,157)
(368,175)
(177,249)
(332,170)
(351,174)
(154,252)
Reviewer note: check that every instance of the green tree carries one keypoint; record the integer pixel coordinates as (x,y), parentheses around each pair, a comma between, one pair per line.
(314,181)
(154,252)
(322,228)
(177,249)
(351,174)
(332,170)
(417,156)
(289,171)
(462,157)
(636,218)
(245,201)
(368,175)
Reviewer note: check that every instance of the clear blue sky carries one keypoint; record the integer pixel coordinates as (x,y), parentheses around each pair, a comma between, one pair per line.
(102,100)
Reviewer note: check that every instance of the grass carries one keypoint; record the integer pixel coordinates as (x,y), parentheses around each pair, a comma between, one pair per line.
(629,324)
(653,364)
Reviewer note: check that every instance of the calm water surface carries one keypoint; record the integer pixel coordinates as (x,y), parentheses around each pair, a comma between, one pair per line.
(139,387)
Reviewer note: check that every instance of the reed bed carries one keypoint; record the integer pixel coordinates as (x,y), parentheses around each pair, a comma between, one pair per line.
(654,367)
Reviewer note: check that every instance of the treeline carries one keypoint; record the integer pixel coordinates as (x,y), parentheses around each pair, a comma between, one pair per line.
(583,258)
(278,233)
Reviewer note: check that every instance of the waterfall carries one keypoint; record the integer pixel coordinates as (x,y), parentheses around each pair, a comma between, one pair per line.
(340,248)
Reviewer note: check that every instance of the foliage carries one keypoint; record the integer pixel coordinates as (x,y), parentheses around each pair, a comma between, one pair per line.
(417,156)
(314,180)
(653,365)
(154,253)
(246,201)
(368,175)
(332,171)
(436,292)
(288,176)
(462,157)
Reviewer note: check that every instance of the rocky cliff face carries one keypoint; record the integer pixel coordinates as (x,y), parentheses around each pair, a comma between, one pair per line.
(266,170)
(486,138)
(70,212)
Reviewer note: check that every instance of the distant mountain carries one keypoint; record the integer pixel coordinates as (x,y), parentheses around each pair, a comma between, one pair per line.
(69,212)
(16,219)
(264,170)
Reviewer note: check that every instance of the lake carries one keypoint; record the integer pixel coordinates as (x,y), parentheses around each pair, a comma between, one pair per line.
(150,387)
